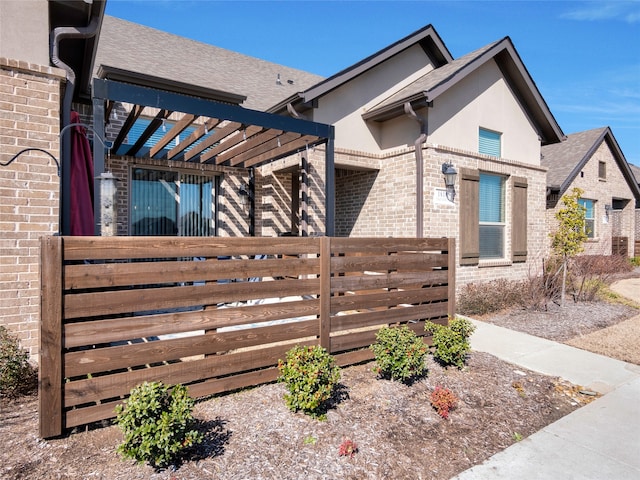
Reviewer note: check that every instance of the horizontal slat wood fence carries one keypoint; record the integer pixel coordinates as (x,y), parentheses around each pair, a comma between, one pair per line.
(216,314)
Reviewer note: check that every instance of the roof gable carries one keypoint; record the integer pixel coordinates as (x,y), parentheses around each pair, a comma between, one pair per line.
(566,159)
(426,37)
(433,84)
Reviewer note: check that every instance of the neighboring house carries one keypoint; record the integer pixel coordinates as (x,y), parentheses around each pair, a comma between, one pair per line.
(593,162)
(208,141)
(636,173)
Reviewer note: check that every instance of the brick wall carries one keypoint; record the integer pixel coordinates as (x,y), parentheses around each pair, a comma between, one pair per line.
(376,197)
(29,189)
(602,191)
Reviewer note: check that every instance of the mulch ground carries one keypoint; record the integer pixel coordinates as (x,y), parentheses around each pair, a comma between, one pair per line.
(251,433)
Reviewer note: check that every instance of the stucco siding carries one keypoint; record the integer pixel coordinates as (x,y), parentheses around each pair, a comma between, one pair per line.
(344,106)
(483,99)
(24,30)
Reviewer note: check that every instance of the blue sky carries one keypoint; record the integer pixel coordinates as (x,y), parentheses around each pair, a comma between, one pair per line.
(583,56)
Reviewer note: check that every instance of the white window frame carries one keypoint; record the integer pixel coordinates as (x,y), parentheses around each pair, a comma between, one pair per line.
(589,221)
(496,224)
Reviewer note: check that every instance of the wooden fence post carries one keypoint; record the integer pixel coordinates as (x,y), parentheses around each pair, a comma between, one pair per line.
(50,368)
(451,266)
(325,293)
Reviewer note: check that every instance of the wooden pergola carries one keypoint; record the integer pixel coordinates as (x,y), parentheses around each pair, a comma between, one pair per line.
(224,134)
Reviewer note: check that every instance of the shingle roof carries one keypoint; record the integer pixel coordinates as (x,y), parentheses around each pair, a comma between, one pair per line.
(636,172)
(566,158)
(426,37)
(130,46)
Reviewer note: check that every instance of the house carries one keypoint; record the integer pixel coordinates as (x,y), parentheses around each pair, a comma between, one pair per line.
(206,141)
(592,161)
(408,108)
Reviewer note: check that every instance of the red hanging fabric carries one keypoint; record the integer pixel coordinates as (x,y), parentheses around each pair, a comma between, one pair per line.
(82,222)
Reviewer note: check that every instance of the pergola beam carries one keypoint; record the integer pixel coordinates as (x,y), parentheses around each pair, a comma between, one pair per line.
(257,145)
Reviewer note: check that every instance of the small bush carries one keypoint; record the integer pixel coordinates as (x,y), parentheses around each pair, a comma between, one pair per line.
(443,400)
(348,448)
(399,353)
(17,376)
(634,261)
(157,424)
(451,342)
(311,376)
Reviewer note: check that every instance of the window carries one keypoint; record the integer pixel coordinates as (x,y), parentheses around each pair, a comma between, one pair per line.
(602,170)
(167,202)
(483,217)
(491,216)
(489,143)
(589,217)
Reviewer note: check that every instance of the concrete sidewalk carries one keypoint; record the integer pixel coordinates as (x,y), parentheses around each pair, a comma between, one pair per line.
(598,441)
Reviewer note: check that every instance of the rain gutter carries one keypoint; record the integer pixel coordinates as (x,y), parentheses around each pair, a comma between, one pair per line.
(408,110)
(57,35)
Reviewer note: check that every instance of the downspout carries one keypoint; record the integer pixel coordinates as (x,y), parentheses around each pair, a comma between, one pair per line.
(58,34)
(408,110)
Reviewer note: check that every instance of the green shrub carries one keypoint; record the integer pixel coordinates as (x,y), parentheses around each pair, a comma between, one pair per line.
(634,261)
(157,424)
(17,376)
(451,342)
(399,353)
(311,376)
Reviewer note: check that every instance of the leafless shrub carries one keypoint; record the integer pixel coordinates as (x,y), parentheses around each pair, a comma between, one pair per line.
(590,273)
(586,276)
(489,297)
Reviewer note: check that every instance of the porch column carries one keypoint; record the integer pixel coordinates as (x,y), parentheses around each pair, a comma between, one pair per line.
(98,160)
(330,186)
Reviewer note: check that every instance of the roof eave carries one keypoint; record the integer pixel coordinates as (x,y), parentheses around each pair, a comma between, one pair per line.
(78,53)
(396,109)
(145,80)
(513,68)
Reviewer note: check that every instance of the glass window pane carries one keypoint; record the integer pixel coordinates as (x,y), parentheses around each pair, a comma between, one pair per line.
(489,143)
(154,202)
(196,205)
(491,241)
(491,198)
(170,203)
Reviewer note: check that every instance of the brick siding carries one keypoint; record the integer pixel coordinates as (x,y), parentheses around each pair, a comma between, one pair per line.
(375,196)
(29,189)
(620,223)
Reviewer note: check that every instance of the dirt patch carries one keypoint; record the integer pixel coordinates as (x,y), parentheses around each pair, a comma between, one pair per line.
(618,341)
(251,434)
(608,329)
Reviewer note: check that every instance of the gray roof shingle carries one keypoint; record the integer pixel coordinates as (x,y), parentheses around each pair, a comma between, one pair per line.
(133,47)
(565,158)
